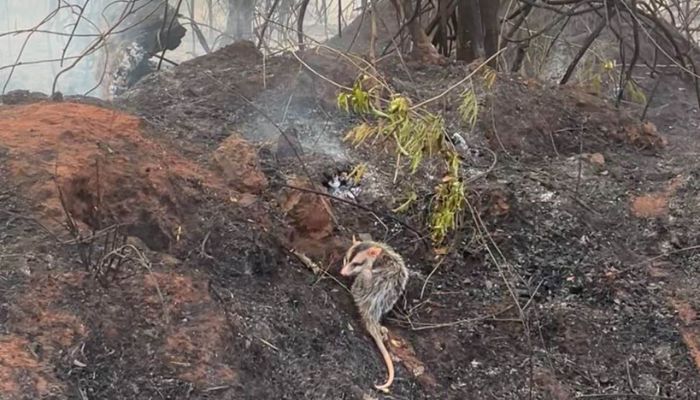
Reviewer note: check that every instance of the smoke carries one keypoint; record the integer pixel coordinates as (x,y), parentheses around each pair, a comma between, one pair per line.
(40,40)
(45,42)
(34,32)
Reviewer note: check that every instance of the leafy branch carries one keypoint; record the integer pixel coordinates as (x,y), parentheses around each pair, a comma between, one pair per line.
(417,135)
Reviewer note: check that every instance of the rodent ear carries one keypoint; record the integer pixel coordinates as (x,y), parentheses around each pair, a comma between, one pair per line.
(374,251)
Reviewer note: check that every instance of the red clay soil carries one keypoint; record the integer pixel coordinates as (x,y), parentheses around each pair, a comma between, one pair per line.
(107,168)
(38,327)
(20,372)
(110,171)
(42,330)
(689,329)
(654,205)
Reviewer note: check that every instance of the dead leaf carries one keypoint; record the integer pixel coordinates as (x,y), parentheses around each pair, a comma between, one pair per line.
(441,251)
(597,159)
(404,352)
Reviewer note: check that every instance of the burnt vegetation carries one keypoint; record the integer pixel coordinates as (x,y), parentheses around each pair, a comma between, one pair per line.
(180,180)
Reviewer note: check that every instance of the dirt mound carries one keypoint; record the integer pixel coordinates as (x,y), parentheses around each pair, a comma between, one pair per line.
(527,118)
(551,120)
(108,170)
(200,101)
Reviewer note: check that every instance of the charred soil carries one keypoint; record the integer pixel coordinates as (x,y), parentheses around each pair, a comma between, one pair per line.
(575,276)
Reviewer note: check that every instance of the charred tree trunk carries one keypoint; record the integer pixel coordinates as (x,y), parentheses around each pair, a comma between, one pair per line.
(469,37)
(489,23)
(441,39)
(300,23)
(131,49)
(477,29)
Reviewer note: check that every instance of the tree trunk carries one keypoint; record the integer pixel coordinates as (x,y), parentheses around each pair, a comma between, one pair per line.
(441,39)
(470,33)
(489,22)
(373,30)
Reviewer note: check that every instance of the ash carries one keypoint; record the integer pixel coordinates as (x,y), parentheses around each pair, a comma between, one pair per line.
(340,184)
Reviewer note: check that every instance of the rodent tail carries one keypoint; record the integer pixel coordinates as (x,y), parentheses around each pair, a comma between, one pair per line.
(377,336)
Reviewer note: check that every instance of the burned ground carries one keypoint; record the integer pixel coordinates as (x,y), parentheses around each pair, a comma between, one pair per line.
(583,202)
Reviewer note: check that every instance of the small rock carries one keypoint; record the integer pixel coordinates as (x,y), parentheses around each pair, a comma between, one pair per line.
(310,214)
(169,261)
(48,258)
(237,160)
(364,236)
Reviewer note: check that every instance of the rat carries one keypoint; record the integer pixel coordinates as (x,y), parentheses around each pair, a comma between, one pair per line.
(380,279)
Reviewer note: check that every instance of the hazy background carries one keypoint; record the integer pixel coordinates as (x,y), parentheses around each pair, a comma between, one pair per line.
(32,51)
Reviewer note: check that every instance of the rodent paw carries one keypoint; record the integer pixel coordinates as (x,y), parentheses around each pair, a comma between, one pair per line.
(385,333)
